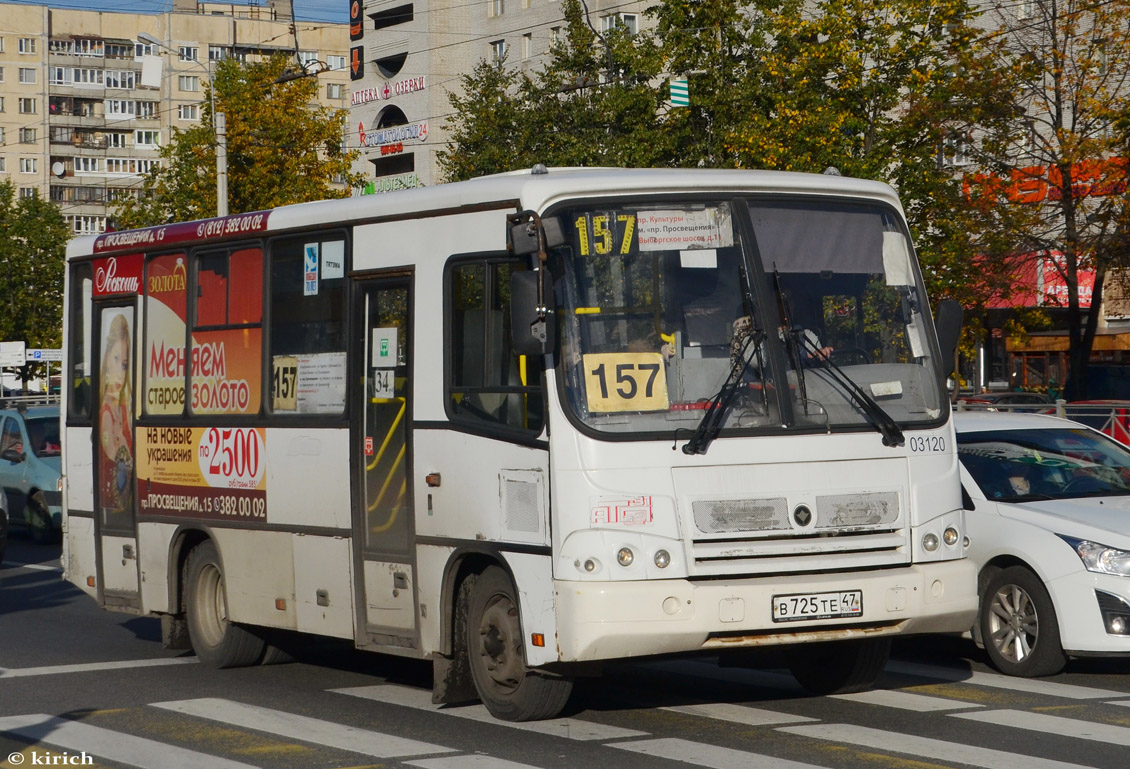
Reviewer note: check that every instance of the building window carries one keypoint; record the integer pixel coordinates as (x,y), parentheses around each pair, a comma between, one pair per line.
(147,139)
(28,192)
(85,165)
(1,45)
(497,7)
(27,136)
(306,59)
(189,53)
(123,79)
(120,108)
(334,90)
(147,110)
(554,36)
(27,75)
(188,112)
(27,106)
(527,45)
(87,225)
(189,82)
(498,51)
(116,140)
(1,74)
(29,165)
(59,75)
(142,49)
(27,45)
(87,47)
(87,76)
(1,103)
(3,164)
(119,51)
(218,53)
(629,22)
(336,62)
(1,139)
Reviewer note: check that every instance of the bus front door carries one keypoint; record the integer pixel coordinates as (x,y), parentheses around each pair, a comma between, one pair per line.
(114,479)
(383,435)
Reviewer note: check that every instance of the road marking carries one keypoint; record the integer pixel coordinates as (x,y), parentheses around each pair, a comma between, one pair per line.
(421,699)
(702,754)
(1064,727)
(739,714)
(946,751)
(302,728)
(110,745)
(889,698)
(995,680)
(93,667)
(472,761)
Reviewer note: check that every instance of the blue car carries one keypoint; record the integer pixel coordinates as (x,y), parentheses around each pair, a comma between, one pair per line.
(31,470)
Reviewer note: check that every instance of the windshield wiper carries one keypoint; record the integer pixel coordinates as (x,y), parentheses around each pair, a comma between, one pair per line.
(884,423)
(711,423)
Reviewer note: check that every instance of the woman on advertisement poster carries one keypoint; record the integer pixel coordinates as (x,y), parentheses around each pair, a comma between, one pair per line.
(115,419)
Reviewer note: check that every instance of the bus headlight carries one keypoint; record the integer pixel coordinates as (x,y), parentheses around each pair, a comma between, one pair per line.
(662,559)
(930,542)
(625,556)
(949,536)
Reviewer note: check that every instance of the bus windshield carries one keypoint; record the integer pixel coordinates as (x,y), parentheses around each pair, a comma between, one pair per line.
(661,303)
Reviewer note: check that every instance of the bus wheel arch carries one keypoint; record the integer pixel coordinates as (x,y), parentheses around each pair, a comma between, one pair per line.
(218,642)
(452,674)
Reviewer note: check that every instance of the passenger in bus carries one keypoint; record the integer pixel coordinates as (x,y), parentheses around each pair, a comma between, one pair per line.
(114,416)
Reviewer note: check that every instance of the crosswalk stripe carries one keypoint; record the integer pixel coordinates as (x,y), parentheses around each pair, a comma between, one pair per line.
(420,699)
(995,680)
(905,701)
(93,667)
(739,714)
(470,761)
(1041,722)
(926,748)
(302,728)
(702,754)
(110,745)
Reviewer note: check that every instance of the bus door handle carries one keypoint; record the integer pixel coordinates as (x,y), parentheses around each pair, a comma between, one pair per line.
(400,581)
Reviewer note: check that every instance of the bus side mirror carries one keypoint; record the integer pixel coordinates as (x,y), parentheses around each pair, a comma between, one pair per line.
(948,324)
(531,329)
(524,235)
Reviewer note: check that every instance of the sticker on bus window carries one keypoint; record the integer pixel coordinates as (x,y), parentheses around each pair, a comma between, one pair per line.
(310,270)
(309,384)
(676,230)
(333,259)
(284,383)
(625,381)
(384,348)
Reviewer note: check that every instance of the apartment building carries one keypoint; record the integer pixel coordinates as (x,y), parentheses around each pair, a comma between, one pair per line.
(86,104)
(406,57)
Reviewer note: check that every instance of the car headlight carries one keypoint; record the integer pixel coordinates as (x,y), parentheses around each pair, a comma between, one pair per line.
(1100,558)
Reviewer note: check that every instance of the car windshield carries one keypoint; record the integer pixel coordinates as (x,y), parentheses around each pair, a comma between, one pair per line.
(1055,463)
(660,304)
(43,435)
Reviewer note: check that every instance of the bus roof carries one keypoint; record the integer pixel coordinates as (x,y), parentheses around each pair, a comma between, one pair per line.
(528,189)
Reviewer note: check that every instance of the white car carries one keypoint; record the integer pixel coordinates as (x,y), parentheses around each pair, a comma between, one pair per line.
(1048,518)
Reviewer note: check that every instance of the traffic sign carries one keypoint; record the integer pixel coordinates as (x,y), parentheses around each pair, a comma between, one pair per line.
(38,355)
(12,354)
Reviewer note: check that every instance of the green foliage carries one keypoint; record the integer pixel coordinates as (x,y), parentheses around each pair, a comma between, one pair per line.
(33,238)
(282,148)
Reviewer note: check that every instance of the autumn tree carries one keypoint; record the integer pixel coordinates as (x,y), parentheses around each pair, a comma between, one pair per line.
(33,239)
(1060,160)
(282,147)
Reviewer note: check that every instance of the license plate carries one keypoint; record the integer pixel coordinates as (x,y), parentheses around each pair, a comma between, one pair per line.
(801,606)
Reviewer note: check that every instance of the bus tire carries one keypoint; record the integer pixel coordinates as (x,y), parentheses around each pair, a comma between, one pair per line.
(217,642)
(838,667)
(497,657)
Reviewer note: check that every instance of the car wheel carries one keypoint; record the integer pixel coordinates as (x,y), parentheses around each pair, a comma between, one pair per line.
(838,667)
(1019,626)
(497,657)
(38,517)
(218,642)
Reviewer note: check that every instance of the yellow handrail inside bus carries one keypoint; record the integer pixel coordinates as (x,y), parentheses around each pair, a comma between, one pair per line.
(391,430)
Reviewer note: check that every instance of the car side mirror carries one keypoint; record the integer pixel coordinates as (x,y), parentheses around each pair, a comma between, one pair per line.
(13,455)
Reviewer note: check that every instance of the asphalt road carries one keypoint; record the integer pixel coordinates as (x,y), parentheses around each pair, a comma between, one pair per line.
(80,686)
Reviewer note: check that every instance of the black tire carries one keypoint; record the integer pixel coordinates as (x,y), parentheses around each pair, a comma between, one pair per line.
(217,642)
(37,518)
(838,667)
(497,657)
(1018,625)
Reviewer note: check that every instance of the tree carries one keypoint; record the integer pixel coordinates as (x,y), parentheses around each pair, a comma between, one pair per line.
(281,149)
(1061,160)
(33,239)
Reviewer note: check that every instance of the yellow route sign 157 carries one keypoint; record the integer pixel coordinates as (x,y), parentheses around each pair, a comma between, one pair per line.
(626,381)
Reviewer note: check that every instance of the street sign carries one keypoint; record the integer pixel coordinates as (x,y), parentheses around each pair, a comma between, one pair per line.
(12,354)
(680,92)
(38,355)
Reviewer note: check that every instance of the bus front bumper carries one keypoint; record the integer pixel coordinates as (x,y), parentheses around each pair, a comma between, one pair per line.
(612,620)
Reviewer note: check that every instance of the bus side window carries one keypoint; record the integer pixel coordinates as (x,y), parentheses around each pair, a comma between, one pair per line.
(487,381)
(307,334)
(80,323)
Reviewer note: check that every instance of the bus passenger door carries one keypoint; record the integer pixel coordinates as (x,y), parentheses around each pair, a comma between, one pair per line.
(383,451)
(114,485)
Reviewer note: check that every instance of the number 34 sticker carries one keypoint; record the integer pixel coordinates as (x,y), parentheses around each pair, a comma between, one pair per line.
(626,381)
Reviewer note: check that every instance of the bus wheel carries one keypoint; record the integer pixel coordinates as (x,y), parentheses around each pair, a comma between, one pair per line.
(217,642)
(38,518)
(838,667)
(497,656)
